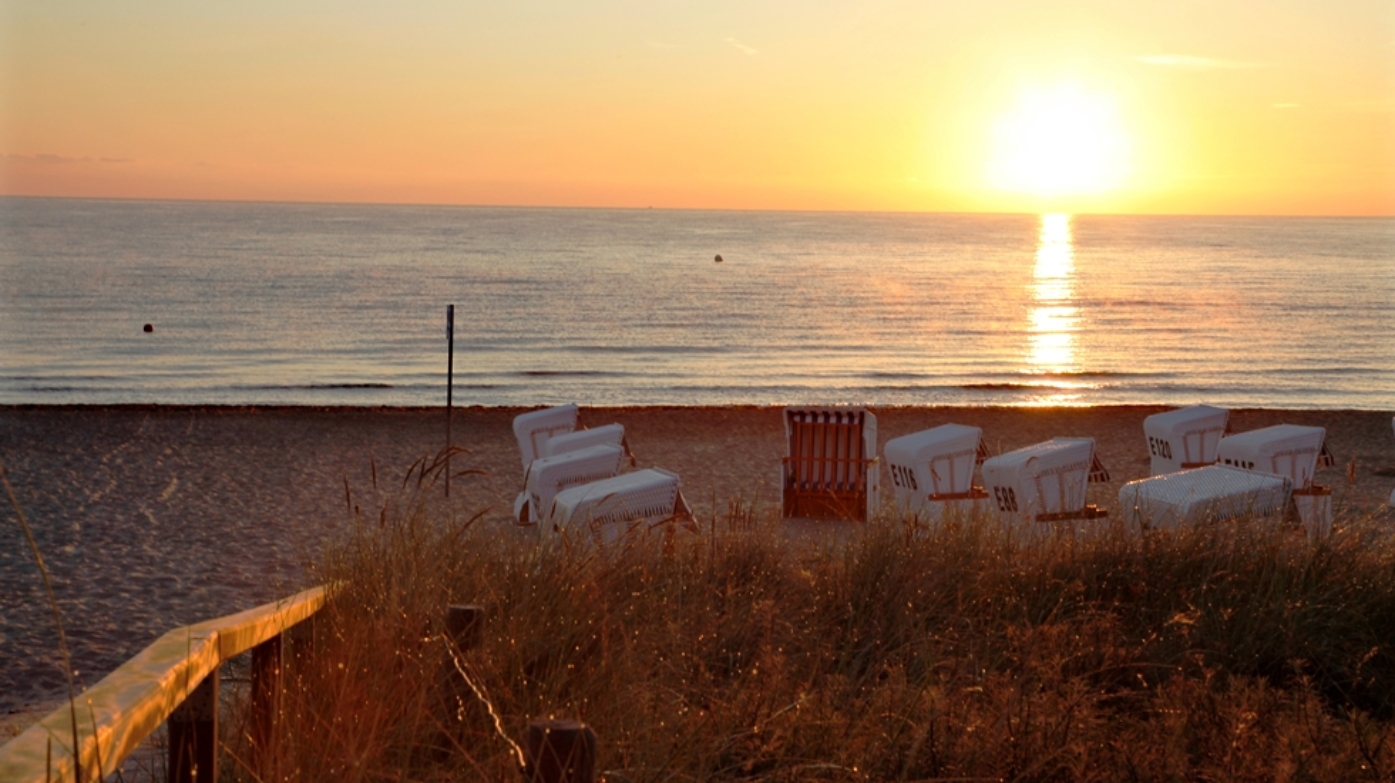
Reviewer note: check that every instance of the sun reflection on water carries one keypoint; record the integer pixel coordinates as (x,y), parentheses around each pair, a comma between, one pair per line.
(1054,319)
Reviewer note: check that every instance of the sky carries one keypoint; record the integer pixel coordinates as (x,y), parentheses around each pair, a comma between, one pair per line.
(1106,106)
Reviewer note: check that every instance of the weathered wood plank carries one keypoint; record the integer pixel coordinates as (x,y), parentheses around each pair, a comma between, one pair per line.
(132,701)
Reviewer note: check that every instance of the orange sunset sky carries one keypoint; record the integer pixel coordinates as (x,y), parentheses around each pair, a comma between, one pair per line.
(1225,106)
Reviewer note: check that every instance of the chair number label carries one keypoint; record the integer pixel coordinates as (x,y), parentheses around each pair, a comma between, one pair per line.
(1007,499)
(903,476)
(1159,447)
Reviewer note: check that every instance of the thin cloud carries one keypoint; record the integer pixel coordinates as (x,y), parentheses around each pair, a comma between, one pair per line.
(1193,63)
(49,159)
(743,47)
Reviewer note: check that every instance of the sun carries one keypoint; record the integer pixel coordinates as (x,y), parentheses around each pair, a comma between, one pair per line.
(1059,141)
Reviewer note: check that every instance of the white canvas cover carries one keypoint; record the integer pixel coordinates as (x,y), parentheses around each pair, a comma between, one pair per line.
(1193,496)
(534,428)
(612,434)
(1046,478)
(1184,438)
(549,475)
(929,468)
(1284,449)
(612,507)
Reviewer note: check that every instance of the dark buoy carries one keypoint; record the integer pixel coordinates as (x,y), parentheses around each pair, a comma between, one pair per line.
(718,259)
(148,328)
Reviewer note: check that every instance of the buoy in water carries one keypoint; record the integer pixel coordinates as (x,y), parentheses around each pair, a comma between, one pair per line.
(718,259)
(148,329)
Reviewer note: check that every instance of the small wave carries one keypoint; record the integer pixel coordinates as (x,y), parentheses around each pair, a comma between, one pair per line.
(313,386)
(568,374)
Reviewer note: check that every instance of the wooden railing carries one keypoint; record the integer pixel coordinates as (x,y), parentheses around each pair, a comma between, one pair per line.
(174,679)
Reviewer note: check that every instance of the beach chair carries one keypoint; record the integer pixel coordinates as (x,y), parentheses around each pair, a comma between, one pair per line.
(549,475)
(614,508)
(534,428)
(1042,487)
(832,470)
(610,434)
(932,471)
(1199,495)
(1184,438)
(1295,452)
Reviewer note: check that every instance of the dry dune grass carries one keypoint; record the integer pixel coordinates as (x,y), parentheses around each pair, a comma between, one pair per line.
(1236,652)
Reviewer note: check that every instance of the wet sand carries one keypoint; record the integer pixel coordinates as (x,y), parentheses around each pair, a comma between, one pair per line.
(154,517)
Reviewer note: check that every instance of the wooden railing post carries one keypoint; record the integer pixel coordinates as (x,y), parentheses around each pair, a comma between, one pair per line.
(465,625)
(193,735)
(559,750)
(267,661)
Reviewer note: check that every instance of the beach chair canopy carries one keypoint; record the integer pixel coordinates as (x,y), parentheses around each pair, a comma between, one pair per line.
(1184,438)
(549,475)
(535,428)
(1191,497)
(933,465)
(1284,449)
(610,434)
(612,508)
(1044,482)
(831,469)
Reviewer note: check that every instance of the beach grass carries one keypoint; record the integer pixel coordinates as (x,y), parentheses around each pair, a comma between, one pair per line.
(892,651)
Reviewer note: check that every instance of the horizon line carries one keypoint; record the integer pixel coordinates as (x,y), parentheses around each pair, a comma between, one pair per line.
(463,205)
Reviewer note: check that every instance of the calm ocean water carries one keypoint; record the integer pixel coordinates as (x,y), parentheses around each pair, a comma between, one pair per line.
(345,305)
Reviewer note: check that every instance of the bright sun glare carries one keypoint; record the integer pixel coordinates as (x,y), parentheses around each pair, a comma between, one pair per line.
(1059,141)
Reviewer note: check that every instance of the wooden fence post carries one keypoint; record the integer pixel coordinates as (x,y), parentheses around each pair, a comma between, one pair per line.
(267,661)
(465,625)
(559,750)
(193,735)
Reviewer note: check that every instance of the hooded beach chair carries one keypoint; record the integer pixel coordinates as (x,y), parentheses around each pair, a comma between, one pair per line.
(1042,487)
(1184,438)
(932,471)
(832,469)
(610,434)
(549,475)
(612,509)
(534,428)
(1198,495)
(1292,451)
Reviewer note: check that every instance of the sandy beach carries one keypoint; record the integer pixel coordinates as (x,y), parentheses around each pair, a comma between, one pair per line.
(153,517)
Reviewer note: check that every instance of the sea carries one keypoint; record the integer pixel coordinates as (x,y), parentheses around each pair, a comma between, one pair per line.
(338,304)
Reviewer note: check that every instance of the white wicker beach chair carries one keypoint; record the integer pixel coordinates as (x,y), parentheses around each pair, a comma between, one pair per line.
(549,475)
(932,471)
(832,469)
(1184,438)
(1042,487)
(1191,497)
(611,434)
(1292,451)
(534,428)
(613,508)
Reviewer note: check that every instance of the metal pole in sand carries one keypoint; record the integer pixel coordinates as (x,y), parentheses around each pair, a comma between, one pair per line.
(450,382)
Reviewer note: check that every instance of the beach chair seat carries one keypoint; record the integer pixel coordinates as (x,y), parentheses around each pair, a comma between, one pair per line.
(610,434)
(534,428)
(932,471)
(613,508)
(1292,451)
(1184,438)
(1043,486)
(1199,495)
(832,469)
(549,475)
